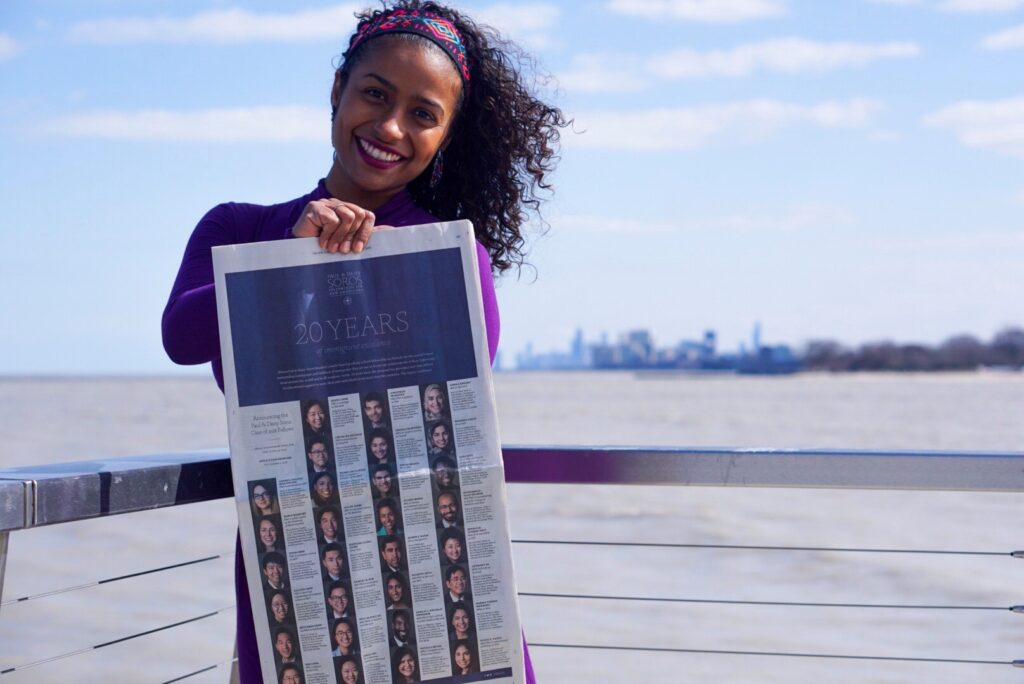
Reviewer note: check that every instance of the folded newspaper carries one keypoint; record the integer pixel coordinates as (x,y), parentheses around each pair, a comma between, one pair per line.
(366,460)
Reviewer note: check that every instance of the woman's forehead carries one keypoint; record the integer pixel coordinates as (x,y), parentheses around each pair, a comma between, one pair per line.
(411,65)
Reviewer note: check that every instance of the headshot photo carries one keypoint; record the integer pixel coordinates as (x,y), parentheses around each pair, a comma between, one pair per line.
(339,601)
(396,591)
(389,521)
(343,637)
(391,555)
(348,670)
(375,411)
(268,534)
(460,622)
(440,440)
(400,628)
(435,403)
(290,674)
(383,482)
(452,545)
(328,525)
(263,497)
(464,658)
(279,607)
(323,490)
(318,455)
(315,422)
(445,473)
(285,650)
(379,447)
(447,509)
(406,668)
(332,562)
(275,571)
(456,585)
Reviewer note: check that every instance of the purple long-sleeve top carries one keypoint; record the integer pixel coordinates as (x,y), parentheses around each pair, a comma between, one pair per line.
(190,318)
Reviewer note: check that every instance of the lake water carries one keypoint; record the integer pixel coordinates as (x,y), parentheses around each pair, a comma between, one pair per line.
(50,420)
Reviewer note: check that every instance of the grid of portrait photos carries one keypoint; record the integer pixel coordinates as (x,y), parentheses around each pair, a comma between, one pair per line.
(266,516)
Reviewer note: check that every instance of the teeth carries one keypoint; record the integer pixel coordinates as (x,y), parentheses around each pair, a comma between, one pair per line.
(378,153)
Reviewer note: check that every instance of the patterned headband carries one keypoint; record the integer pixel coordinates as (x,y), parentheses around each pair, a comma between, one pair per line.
(436,29)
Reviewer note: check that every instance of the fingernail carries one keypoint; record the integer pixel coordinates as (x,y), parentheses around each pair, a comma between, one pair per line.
(345,246)
(357,247)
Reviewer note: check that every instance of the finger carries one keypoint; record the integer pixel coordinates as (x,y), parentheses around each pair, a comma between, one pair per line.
(311,221)
(363,232)
(327,221)
(341,238)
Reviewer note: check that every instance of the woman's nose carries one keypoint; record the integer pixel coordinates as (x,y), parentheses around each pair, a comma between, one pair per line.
(388,127)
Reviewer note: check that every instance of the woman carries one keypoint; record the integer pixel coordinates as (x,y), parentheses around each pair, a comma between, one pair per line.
(280,609)
(397,592)
(269,535)
(460,621)
(439,440)
(403,662)
(380,447)
(315,423)
(344,635)
(453,545)
(263,500)
(482,150)
(387,517)
(290,674)
(463,659)
(434,404)
(383,484)
(325,492)
(348,671)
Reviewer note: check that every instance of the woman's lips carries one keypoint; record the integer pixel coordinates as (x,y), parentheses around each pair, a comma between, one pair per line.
(377,156)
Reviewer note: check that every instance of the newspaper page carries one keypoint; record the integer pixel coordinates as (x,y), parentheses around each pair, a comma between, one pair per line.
(366,460)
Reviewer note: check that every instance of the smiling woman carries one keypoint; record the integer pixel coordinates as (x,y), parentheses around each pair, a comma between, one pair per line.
(431,120)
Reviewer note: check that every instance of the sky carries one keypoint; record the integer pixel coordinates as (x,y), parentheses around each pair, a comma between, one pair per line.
(851,170)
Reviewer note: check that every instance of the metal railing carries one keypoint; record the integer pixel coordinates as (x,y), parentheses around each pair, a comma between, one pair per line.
(67,492)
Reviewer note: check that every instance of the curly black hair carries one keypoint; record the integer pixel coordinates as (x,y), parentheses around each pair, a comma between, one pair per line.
(504,141)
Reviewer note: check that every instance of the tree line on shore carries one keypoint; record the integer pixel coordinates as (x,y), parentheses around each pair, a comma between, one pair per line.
(960,352)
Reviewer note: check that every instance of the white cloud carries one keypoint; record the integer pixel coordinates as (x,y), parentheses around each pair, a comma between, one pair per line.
(996,125)
(530,24)
(795,218)
(602,73)
(980,5)
(1005,40)
(221,26)
(252,124)
(783,55)
(708,11)
(688,128)
(8,47)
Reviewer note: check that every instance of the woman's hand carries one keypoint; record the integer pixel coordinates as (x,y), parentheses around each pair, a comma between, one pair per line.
(341,226)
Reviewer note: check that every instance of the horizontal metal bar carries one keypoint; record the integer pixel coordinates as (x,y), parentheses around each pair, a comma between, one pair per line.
(64,492)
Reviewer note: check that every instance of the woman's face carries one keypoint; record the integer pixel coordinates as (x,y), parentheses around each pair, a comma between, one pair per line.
(268,533)
(387,519)
(261,497)
(433,401)
(315,417)
(453,549)
(395,590)
(392,117)
(460,623)
(279,607)
(444,474)
(343,636)
(463,657)
(407,665)
(324,487)
(379,448)
(349,672)
(439,435)
(382,481)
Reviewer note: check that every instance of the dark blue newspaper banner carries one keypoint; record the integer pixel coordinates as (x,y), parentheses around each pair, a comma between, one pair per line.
(349,326)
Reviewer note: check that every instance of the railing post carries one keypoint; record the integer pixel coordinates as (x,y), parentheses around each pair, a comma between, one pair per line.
(234,665)
(4,537)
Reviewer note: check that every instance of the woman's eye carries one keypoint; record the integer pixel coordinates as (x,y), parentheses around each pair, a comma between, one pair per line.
(374,93)
(425,115)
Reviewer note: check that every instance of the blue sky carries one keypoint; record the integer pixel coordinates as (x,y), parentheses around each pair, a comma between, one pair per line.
(850,169)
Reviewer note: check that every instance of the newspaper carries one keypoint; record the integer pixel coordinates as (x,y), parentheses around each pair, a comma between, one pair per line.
(366,460)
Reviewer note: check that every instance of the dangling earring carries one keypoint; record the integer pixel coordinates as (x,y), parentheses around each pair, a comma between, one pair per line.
(435,174)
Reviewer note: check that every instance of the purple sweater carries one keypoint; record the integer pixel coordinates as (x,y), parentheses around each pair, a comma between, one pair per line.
(191,336)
